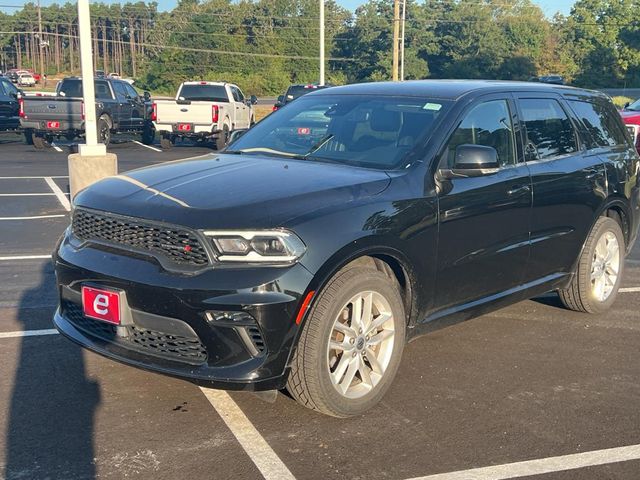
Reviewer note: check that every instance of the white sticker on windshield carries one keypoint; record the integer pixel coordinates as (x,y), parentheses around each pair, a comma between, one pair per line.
(432,106)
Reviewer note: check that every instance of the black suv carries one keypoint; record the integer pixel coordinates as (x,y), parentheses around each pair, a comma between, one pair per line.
(307,254)
(9,106)
(296,91)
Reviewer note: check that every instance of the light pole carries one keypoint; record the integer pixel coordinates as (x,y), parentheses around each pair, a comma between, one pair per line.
(404,16)
(40,43)
(321,42)
(92,162)
(396,34)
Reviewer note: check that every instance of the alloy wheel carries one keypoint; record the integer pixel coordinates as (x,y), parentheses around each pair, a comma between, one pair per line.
(605,266)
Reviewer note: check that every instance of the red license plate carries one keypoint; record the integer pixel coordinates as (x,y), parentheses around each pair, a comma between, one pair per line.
(53,124)
(304,131)
(184,127)
(101,304)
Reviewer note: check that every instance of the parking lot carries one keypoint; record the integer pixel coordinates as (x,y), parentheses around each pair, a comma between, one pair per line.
(530,391)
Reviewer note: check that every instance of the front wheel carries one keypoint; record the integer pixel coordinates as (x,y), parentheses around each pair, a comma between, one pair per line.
(595,282)
(351,345)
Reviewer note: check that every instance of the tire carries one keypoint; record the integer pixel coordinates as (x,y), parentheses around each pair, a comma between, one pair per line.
(39,142)
(314,362)
(166,143)
(252,122)
(584,293)
(148,135)
(104,130)
(222,138)
(28,137)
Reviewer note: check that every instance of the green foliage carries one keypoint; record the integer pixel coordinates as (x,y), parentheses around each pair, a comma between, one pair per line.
(621,101)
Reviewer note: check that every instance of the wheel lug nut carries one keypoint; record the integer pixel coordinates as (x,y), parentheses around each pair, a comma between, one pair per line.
(352,341)
(354,354)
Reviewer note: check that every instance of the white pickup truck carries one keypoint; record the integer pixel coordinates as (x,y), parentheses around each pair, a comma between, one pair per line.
(203,111)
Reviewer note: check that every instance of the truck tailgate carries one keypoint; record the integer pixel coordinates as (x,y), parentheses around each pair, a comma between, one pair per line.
(48,108)
(171,112)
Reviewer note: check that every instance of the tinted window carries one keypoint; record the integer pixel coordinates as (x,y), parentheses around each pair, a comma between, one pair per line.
(488,124)
(3,88)
(121,91)
(9,88)
(549,130)
(206,93)
(601,125)
(130,90)
(296,91)
(236,95)
(240,95)
(73,88)
(361,130)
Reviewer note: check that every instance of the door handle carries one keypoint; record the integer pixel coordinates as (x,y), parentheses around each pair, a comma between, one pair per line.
(519,190)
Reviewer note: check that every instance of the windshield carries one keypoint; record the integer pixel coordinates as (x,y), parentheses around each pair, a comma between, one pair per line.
(359,130)
(635,106)
(205,93)
(296,91)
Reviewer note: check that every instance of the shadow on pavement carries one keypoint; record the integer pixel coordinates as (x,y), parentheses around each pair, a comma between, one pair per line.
(51,416)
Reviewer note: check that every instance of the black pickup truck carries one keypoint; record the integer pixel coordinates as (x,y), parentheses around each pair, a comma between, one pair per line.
(9,106)
(119,110)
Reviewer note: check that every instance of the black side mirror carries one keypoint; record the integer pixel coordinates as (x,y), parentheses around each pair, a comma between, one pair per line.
(626,105)
(253,99)
(280,100)
(475,160)
(147,96)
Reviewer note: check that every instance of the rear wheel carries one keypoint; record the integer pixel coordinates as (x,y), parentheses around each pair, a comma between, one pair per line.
(28,137)
(595,283)
(39,142)
(350,346)
(104,131)
(166,143)
(223,137)
(148,135)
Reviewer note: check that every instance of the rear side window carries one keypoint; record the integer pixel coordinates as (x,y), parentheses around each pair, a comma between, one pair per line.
(601,125)
(549,130)
(103,92)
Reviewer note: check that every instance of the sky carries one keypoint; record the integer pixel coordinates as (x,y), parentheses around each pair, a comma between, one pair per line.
(549,7)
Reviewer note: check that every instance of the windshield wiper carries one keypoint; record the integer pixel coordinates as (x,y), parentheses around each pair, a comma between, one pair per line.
(317,146)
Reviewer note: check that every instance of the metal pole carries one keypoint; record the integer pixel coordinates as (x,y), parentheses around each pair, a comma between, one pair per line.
(40,43)
(321,42)
(396,33)
(88,91)
(404,8)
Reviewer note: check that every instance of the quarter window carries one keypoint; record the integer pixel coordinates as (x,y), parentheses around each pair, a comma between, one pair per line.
(549,130)
(600,124)
(488,124)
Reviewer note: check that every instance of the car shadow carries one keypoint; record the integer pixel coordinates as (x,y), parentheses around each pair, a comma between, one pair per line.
(550,300)
(51,414)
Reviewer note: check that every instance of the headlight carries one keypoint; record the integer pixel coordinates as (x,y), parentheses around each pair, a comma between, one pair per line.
(267,246)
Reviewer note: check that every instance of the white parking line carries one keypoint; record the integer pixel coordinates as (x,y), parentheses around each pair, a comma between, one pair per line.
(62,198)
(24,257)
(36,217)
(147,146)
(56,148)
(27,194)
(543,465)
(629,290)
(259,451)
(29,333)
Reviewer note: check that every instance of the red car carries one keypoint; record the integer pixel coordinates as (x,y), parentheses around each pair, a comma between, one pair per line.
(631,117)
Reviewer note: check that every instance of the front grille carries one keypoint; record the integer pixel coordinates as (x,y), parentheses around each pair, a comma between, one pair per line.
(160,344)
(174,244)
(256,338)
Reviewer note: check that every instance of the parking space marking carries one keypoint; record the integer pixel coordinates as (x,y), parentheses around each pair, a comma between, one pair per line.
(629,290)
(36,217)
(147,146)
(62,198)
(254,444)
(543,465)
(56,148)
(25,257)
(26,194)
(29,333)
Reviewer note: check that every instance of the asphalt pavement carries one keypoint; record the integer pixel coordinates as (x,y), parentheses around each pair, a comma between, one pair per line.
(533,389)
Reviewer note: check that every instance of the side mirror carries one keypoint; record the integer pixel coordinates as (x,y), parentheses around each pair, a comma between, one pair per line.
(626,105)
(475,160)
(253,99)
(280,100)
(147,96)
(236,134)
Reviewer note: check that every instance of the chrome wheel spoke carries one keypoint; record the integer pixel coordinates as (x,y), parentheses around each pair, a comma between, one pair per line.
(340,370)
(378,322)
(605,266)
(380,337)
(365,374)
(350,374)
(345,330)
(367,311)
(344,346)
(373,361)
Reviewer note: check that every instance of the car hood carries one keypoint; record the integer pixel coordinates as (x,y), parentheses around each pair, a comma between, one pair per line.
(232,191)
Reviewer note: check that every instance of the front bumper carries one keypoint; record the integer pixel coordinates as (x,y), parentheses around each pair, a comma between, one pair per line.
(170,331)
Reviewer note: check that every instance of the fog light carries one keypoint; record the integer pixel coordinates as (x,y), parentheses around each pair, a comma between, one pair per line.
(221,316)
